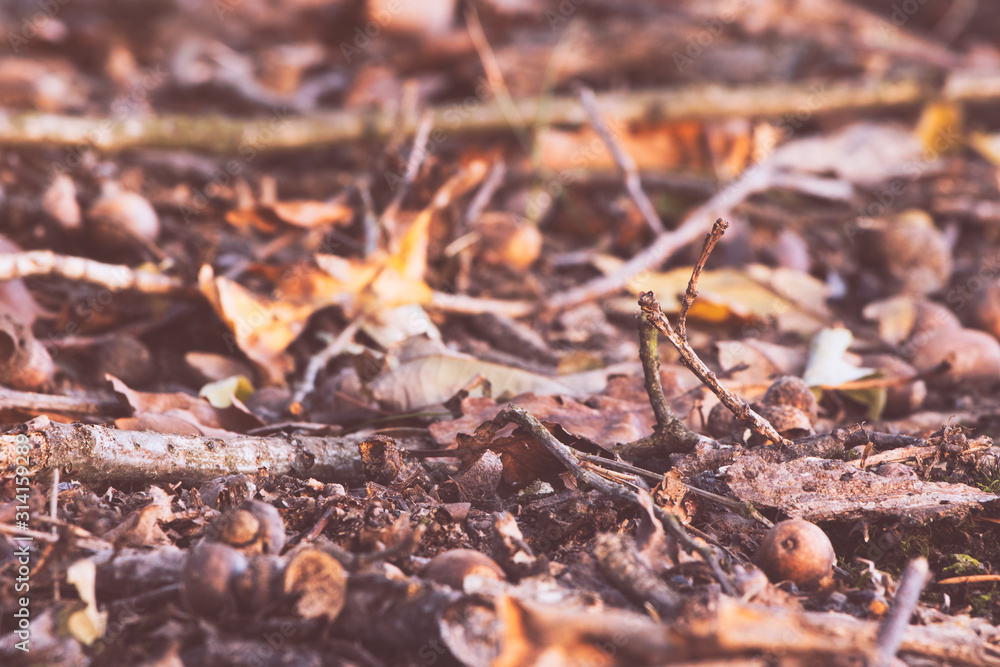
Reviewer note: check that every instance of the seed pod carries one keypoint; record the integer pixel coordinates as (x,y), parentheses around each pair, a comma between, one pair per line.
(797,551)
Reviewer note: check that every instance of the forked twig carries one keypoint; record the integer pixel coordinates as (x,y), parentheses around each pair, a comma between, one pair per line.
(624,161)
(678,338)
(516,415)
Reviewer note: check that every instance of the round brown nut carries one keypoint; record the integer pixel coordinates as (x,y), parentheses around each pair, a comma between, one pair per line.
(452,567)
(797,551)
(973,356)
(787,420)
(318,583)
(792,391)
(272,534)
(119,218)
(206,584)
(240,529)
(722,422)
(260,584)
(914,254)
(986,308)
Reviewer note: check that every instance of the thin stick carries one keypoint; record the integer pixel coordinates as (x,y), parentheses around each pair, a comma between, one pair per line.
(413,162)
(756,179)
(222,134)
(670,435)
(718,229)
(494,75)
(319,360)
(486,191)
(890,635)
(34,403)
(624,161)
(114,277)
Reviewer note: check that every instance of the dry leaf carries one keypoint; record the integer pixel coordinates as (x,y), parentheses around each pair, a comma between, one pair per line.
(87,625)
(794,300)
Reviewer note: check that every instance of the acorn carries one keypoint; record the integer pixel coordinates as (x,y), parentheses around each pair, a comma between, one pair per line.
(24,362)
(506,239)
(794,392)
(912,253)
(973,356)
(259,586)
(797,551)
(986,308)
(722,423)
(318,582)
(207,580)
(128,359)
(254,527)
(121,219)
(452,567)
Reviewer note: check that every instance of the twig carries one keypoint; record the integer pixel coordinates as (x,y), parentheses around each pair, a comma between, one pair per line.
(319,360)
(34,403)
(697,222)
(486,191)
(114,277)
(670,435)
(890,635)
(108,455)
(624,161)
(690,359)
(470,305)
(718,229)
(566,455)
(742,508)
(413,162)
(508,107)
(222,134)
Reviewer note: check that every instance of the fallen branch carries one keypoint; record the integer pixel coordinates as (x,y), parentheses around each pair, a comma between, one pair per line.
(221,134)
(106,455)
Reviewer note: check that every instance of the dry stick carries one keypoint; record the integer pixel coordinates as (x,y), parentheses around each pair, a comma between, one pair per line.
(114,277)
(413,162)
(33,403)
(479,202)
(890,635)
(670,435)
(223,134)
(107,455)
(319,360)
(650,306)
(624,161)
(566,455)
(494,75)
(697,222)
